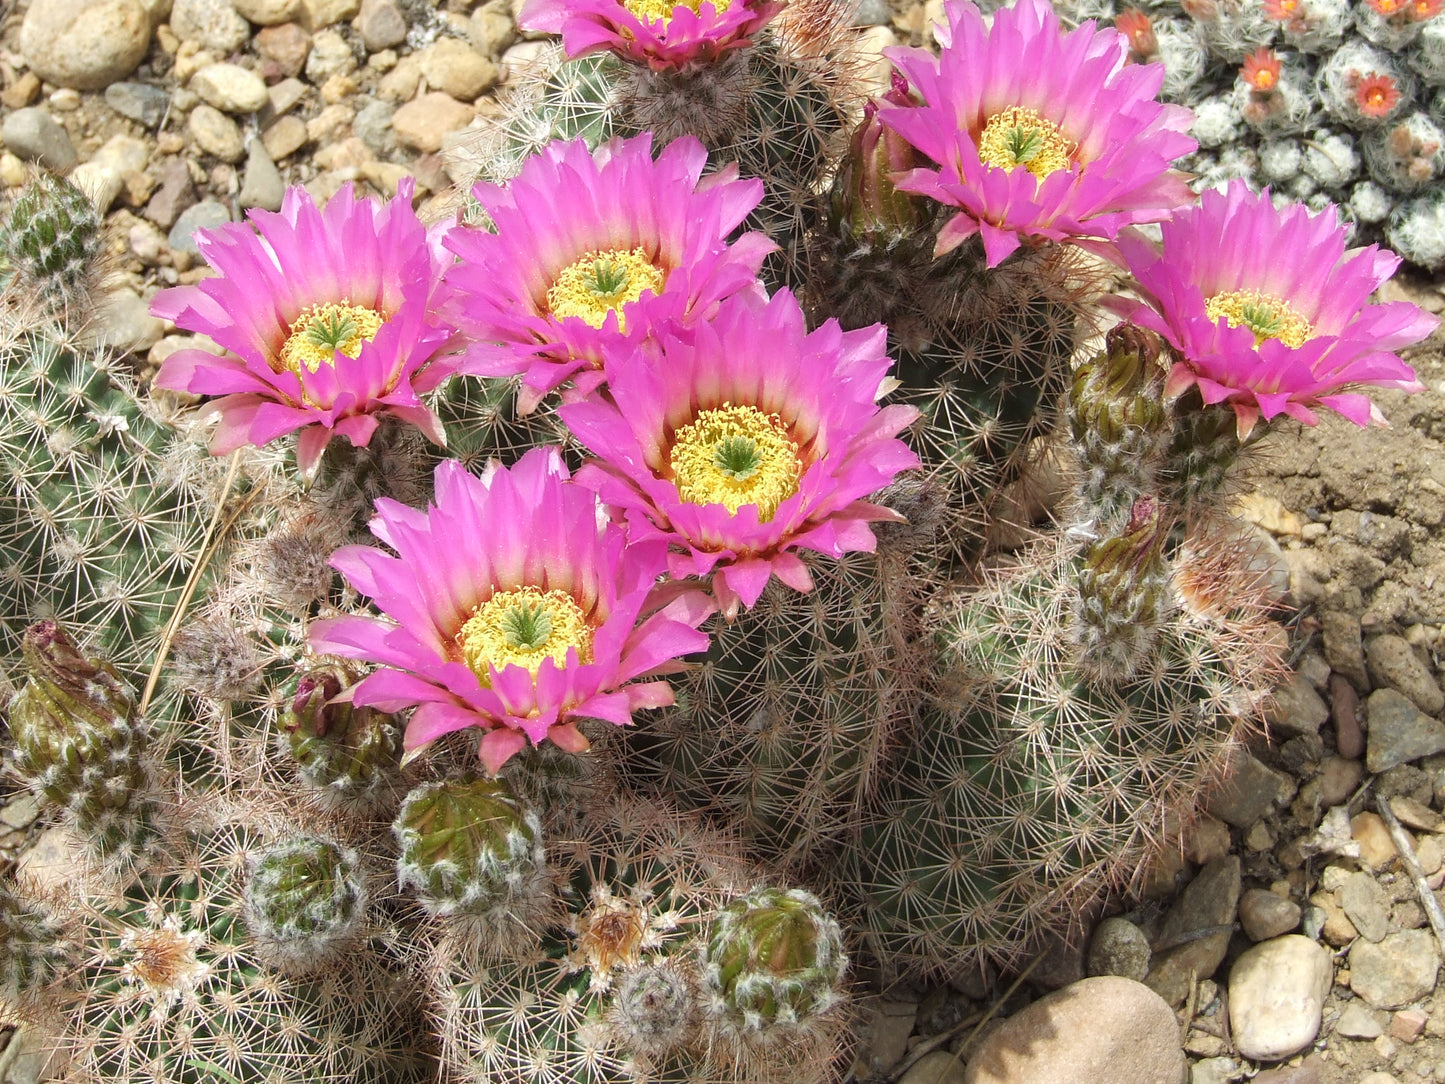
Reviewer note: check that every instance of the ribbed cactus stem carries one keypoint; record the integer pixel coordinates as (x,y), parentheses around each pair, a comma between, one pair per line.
(33,949)
(773,963)
(305,903)
(80,744)
(1123,595)
(51,239)
(1207,444)
(1119,423)
(472,849)
(351,756)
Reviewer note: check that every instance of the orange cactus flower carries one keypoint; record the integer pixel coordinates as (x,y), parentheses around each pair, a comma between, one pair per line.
(1261,70)
(1137,27)
(1376,94)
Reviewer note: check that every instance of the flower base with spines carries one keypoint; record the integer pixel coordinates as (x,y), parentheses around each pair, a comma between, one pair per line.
(81,746)
(1030,792)
(783,729)
(349,756)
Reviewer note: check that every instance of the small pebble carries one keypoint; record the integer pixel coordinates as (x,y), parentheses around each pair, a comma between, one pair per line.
(230,88)
(261,185)
(140,102)
(1120,948)
(204,215)
(210,24)
(1277,992)
(215,133)
(1265,915)
(1358,1022)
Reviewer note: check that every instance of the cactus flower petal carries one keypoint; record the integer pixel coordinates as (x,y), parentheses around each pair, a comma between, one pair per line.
(591,251)
(742,440)
(1039,135)
(511,607)
(1269,312)
(327,317)
(661,35)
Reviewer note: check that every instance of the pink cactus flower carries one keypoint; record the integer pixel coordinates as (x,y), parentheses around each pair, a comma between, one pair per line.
(591,251)
(659,33)
(511,606)
(744,439)
(1039,135)
(1269,312)
(328,320)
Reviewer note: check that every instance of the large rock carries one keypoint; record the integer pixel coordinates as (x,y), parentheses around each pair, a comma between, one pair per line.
(1195,934)
(33,134)
(1393,664)
(1399,732)
(85,44)
(1277,994)
(1395,972)
(1096,1031)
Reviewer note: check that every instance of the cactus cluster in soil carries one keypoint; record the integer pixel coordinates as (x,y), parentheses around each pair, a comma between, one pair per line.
(595,639)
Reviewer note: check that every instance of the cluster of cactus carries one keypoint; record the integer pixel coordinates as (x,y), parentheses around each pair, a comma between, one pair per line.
(1327,102)
(943,752)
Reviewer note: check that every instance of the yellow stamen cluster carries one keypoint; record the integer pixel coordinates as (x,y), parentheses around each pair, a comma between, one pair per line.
(653,10)
(603,281)
(1020,137)
(1268,317)
(323,331)
(736,455)
(523,626)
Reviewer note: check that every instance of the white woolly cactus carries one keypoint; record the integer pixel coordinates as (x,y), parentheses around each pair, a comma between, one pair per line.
(1417,230)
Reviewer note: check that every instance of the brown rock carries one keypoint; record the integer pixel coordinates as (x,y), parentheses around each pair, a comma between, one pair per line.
(1095,1031)
(1377,849)
(284,48)
(175,194)
(1345,647)
(455,68)
(285,137)
(1407,1025)
(1195,934)
(1338,930)
(420,124)
(1345,710)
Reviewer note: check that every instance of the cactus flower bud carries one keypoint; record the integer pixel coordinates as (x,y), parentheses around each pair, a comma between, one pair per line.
(470,848)
(350,754)
(79,743)
(305,903)
(865,196)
